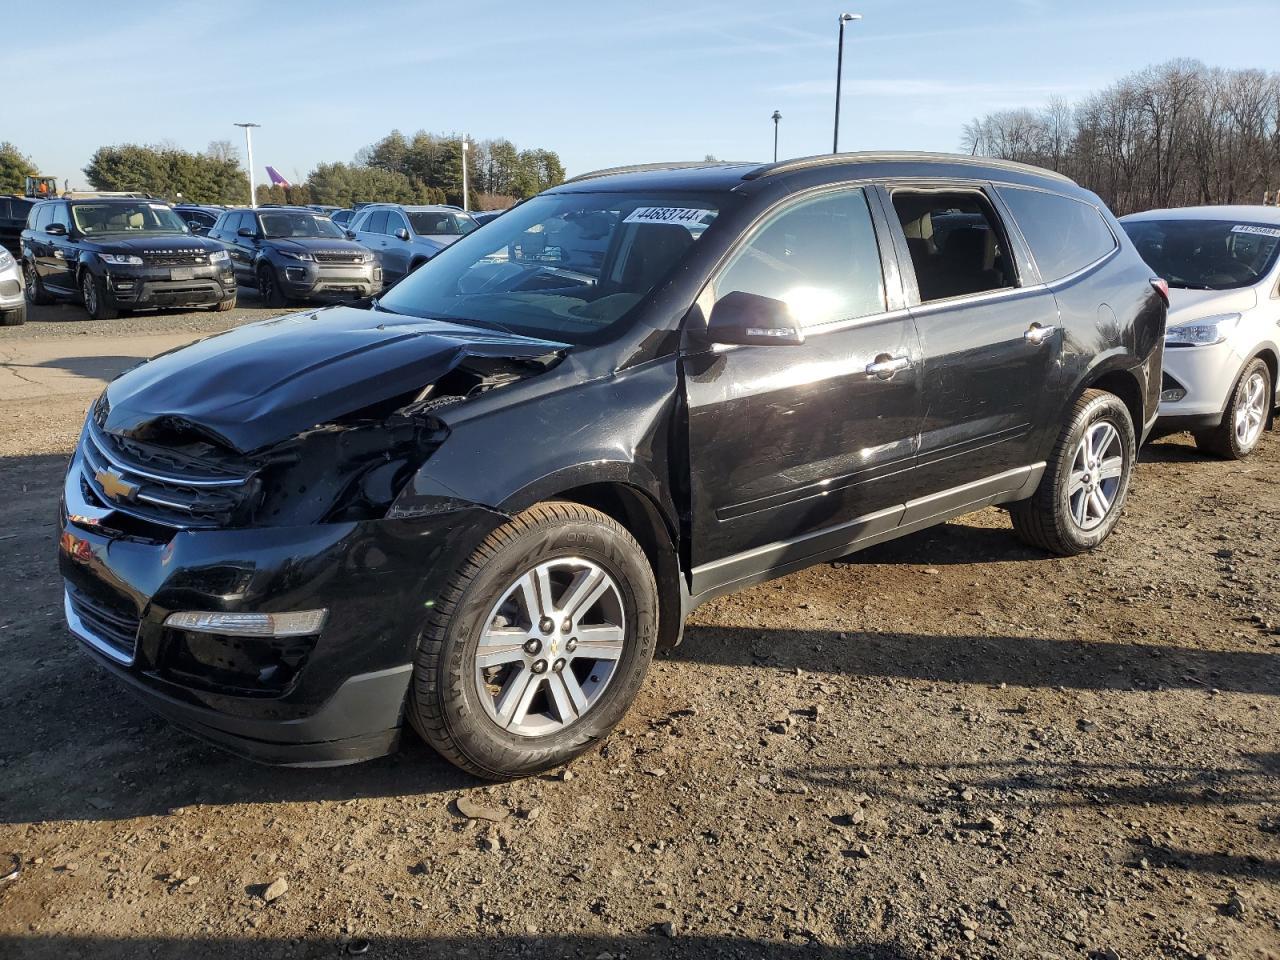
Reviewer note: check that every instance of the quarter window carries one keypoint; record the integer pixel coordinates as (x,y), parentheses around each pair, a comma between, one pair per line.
(1065,235)
(957,246)
(820,257)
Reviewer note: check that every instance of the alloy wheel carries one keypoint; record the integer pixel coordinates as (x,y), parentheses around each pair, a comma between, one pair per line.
(32,281)
(265,284)
(550,646)
(1097,470)
(90,292)
(1251,413)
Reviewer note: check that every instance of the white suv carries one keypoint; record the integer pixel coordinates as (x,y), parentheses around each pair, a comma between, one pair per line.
(13,304)
(1222,265)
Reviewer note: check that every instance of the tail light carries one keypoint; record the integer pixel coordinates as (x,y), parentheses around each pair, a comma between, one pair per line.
(1162,288)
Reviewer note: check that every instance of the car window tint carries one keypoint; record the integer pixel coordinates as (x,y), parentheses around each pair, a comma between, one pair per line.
(43,215)
(1065,235)
(820,257)
(396,221)
(957,243)
(376,223)
(5,211)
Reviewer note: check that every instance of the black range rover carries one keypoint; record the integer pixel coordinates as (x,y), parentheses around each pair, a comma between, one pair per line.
(480,503)
(117,254)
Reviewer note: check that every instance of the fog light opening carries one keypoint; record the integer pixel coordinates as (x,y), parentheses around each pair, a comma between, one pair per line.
(1173,395)
(299,623)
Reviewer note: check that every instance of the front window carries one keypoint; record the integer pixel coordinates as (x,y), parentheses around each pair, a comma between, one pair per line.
(95,219)
(562,266)
(279,226)
(431,224)
(1206,254)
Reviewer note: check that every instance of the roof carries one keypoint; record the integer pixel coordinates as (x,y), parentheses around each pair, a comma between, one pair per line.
(725,175)
(416,207)
(1239,212)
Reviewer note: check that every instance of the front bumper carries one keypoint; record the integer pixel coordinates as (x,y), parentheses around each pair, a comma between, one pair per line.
(145,286)
(1207,374)
(334,698)
(304,280)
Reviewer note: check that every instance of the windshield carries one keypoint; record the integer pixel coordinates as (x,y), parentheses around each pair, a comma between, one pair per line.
(562,266)
(141,217)
(1206,254)
(429,224)
(276,226)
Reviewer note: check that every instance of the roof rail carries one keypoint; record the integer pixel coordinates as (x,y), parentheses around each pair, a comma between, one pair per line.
(830,159)
(647,167)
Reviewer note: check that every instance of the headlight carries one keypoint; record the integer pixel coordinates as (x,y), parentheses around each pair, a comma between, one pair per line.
(367,257)
(1202,333)
(218,256)
(295,256)
(121,259)
(6,258)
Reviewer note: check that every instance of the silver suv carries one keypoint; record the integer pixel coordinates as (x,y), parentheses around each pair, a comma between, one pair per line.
(403,238)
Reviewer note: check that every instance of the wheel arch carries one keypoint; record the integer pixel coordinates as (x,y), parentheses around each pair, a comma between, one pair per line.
(1122,382)
(1269,355)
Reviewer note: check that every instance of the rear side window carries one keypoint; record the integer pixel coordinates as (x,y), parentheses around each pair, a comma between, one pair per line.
(5,212)
(820,257)
(41,216)
(1065,235)
(957,243)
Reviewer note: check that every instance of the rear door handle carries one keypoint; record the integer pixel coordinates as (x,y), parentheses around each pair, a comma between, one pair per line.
(885,367)
(1036,334)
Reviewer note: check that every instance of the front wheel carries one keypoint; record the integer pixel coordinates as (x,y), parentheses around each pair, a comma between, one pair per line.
(94,294)
(269,286)
(537,648)
(1085,482)
(1245,418)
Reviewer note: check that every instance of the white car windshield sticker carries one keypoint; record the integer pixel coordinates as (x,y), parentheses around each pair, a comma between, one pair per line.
(681,216)
(1260,231)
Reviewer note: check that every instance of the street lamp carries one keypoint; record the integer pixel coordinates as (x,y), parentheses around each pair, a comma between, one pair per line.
(844,18)
(464,173)
(776,117)
(248,146)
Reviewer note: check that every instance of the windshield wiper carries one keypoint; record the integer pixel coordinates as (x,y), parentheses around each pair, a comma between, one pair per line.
(472,322)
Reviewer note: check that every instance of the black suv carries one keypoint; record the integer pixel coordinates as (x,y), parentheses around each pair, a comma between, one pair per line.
(121,254)
(199,217)
(13,217)
(482,501)
(294,253)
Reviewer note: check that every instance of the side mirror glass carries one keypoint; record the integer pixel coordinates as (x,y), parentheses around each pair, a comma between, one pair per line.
(56,229)
(744,319)
(402,234)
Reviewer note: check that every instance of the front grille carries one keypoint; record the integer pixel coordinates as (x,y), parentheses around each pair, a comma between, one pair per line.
(111,627)
(156,485)
(333,256)
(176,259)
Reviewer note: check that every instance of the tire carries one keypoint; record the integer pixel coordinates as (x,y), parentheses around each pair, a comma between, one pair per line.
(94,294)
(414,266)
(1246,415)
(454,708)
(1062,516)
(222,306)
(15,317)
(269,286)
(37,295)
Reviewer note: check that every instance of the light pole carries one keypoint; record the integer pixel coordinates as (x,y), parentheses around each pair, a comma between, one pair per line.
(776,117)
(844,18)
(464,173)
(248,146)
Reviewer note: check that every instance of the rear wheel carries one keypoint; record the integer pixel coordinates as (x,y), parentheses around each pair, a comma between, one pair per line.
(1245,417)
(537,648)
(1086,480)
(94,294)
(36,294)
(269,286)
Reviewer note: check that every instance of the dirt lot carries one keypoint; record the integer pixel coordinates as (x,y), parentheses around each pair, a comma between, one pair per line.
(951,746)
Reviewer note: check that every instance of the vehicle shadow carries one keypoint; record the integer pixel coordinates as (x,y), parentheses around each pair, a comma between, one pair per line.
(497,945)
(1168,450)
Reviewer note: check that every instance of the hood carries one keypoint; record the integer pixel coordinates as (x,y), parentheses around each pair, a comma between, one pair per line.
(316,244)
(257,385)
(152,243)
(1186,306)
(435,242)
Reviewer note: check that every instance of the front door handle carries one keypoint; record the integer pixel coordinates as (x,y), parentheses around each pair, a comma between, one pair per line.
(885,367)
(1036,334)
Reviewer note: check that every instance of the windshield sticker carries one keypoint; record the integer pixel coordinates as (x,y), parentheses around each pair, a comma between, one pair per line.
(158,206)
(681,216)
(1259,231)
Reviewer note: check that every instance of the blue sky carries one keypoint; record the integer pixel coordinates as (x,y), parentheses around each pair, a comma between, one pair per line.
(601,83)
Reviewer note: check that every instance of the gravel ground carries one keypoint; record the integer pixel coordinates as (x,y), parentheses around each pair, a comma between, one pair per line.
(948,746)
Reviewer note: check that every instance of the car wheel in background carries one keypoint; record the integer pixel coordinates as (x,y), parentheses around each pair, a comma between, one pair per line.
(537,648)
(269,286)
(1085,482)
(1245,417)
(15,317)
(94,294)
(222,306)
(36,294)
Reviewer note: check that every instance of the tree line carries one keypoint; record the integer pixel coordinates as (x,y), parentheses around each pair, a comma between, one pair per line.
(1177,134)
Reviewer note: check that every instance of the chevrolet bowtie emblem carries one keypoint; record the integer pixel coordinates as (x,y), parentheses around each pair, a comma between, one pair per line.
(114,485)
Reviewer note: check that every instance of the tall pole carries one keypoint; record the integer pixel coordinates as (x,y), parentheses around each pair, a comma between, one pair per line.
(776,117)
(464,173)
(248,149)
(844,18)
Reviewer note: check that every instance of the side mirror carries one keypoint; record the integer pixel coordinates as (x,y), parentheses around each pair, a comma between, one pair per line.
(749,319)
(56,229)
(351,234)
(197,227)
(402,234)
(247,232)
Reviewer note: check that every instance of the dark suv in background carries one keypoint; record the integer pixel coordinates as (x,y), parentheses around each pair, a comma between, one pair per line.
(483,500)
(117,254)
(293,253)
(13,219)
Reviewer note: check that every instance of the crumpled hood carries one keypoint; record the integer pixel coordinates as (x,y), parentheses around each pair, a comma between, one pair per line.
(256,385)
(1186,306)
